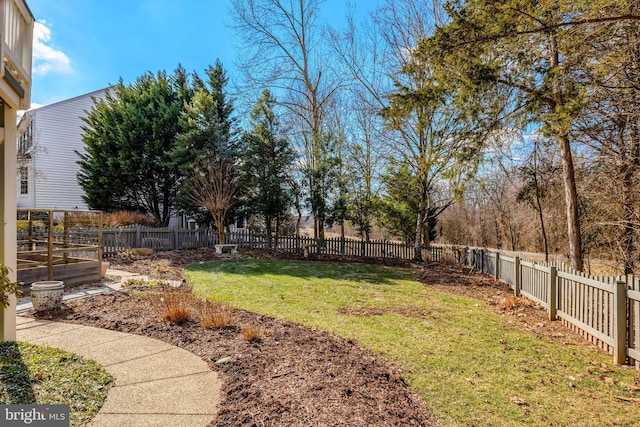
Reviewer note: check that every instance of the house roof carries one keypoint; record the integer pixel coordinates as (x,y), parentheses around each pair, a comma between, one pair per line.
(55,104)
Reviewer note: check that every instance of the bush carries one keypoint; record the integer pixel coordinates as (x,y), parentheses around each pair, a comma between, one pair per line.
(216,316)
(125,218)
(174,306)
(253,334)
(136,253)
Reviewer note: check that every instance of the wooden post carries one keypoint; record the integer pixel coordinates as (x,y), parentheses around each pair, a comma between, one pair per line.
(65,234)
(50,248)
(518,276)
(175,238)
(100,243)
(137,236)
(482,260)
(552,299)
(498,265)
(620,323)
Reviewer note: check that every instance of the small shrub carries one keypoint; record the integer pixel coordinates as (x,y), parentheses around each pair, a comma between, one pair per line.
(173,306)
(162,267)
(216,316)
(141,284)
(252,334)
(136,253)
(448,258)
(125,218)
(513,303)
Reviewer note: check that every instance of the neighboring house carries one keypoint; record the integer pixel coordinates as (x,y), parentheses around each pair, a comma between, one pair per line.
(48,138)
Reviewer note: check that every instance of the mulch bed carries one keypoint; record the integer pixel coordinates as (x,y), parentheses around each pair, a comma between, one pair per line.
(297,376)
(294,377)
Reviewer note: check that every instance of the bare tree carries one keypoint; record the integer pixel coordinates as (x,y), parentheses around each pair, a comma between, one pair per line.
(283,50)
(213,186)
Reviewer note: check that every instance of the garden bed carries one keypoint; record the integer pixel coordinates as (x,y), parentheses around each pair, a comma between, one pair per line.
(301,376)
(294,377)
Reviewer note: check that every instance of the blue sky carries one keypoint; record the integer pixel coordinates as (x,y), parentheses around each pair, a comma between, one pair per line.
(84,45)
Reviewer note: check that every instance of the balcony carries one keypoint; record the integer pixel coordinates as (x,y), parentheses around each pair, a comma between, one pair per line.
(16,33)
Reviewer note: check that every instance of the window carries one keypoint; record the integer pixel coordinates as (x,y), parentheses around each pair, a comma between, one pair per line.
(25,141)
(24,180)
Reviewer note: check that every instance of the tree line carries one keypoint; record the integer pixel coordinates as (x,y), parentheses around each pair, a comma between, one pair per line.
(505,117)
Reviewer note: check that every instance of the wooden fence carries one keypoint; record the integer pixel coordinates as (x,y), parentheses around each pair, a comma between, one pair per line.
(605,310)
(115,241)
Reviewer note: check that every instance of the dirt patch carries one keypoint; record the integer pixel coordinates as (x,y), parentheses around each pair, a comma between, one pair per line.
(520,312)
(412,311)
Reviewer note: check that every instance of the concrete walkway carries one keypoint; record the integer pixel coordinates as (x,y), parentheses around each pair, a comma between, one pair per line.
(156,384)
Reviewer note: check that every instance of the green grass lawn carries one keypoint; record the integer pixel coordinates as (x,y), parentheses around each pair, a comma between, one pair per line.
(468,363)
(31,374)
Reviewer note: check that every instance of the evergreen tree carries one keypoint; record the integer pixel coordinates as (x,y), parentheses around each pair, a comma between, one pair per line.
(398,208)
(209,133)
(129,137)
(267,164)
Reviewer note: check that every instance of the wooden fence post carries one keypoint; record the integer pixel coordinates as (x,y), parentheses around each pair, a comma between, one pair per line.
(50,247)
(137,236)
(620,323)
(498,265)
(518,276)
(175,239)
(481,260)
(100,241)
(552,299)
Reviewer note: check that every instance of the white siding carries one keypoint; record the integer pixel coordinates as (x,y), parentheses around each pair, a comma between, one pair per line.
(57,135)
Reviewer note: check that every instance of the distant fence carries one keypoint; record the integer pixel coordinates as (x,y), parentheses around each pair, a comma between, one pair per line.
(115,241)
(605,310)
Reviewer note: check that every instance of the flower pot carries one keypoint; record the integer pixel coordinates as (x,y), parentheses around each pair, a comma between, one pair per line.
(47,295)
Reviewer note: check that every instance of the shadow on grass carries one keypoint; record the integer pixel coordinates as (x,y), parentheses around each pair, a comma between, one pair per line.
(16,384)
(355,272)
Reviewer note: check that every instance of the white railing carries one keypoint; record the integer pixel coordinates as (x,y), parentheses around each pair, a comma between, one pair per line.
(17,45)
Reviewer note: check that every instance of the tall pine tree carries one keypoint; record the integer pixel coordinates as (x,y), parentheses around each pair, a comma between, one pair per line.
(267,164)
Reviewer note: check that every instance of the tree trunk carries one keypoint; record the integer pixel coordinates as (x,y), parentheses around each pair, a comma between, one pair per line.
(568,172)
(219,219)
(422,218)
(299,212)
(538,203)
(629,170)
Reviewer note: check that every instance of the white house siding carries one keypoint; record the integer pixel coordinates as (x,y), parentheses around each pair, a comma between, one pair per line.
(57,135)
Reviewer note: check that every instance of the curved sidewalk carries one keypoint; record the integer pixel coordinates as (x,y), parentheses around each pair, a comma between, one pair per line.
(156,384)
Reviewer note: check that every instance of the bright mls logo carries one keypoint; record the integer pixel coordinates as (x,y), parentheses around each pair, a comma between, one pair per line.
(34,415)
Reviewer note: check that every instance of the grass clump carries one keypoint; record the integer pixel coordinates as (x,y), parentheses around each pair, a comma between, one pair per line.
(252,334)
(31,374)
(173,306)
(471,365)
(216,316)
